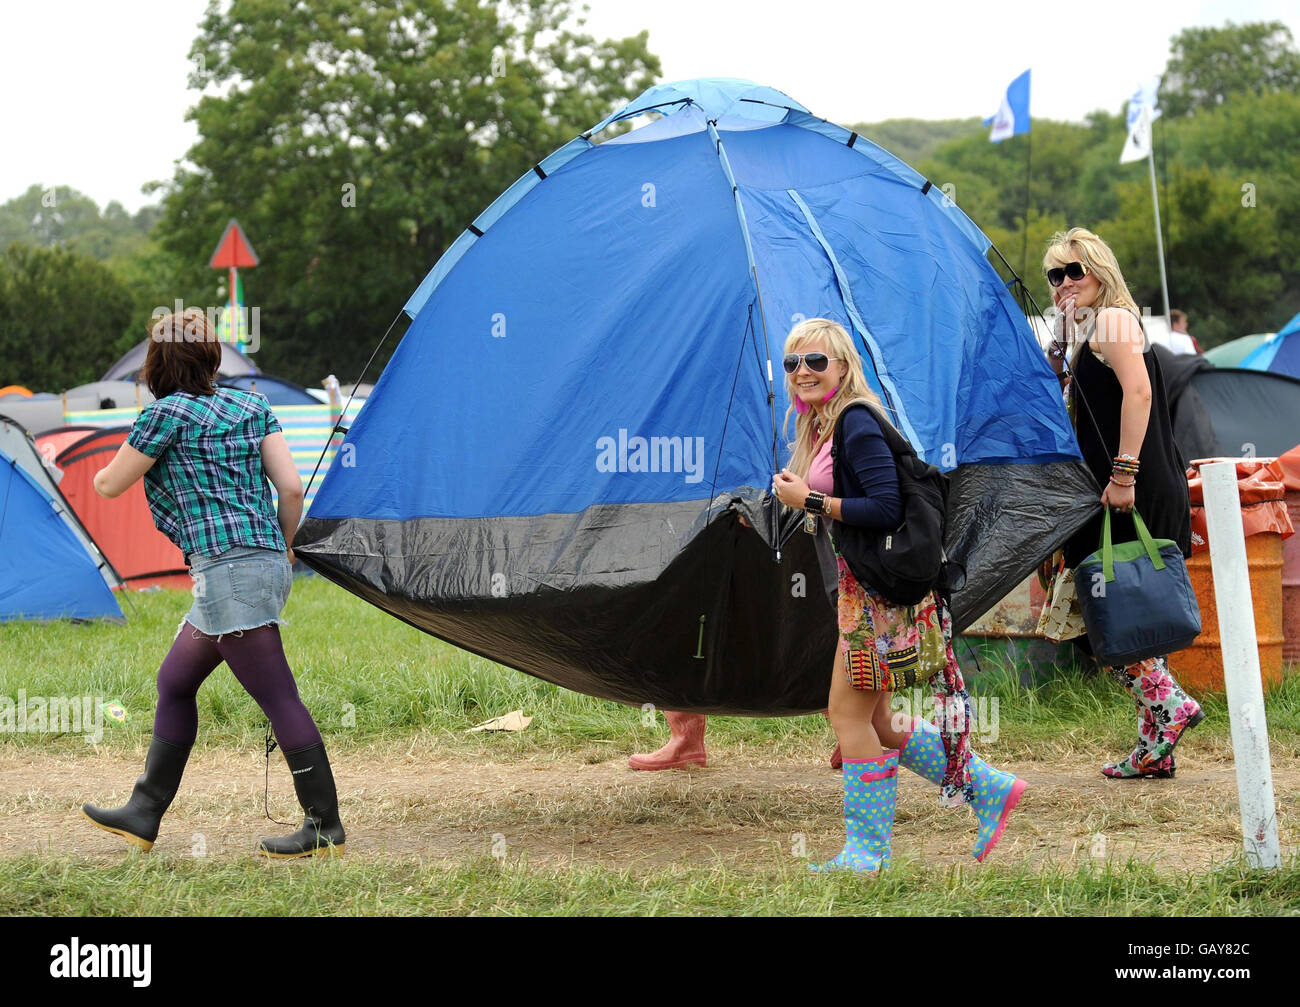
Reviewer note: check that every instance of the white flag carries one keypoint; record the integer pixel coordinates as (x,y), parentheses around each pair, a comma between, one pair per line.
(1012,116)
(1142,112)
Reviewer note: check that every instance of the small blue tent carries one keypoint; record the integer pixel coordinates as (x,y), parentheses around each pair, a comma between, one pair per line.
(45,570)
(551,468)
(1279,353)
(276,391)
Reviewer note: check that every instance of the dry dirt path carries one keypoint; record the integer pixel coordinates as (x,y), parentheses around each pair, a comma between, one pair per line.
(746,809)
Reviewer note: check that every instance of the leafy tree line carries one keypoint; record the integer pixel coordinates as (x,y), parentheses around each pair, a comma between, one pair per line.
(1227,148)
(354,142)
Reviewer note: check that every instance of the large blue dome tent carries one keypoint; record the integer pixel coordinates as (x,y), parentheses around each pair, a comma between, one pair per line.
(551,468)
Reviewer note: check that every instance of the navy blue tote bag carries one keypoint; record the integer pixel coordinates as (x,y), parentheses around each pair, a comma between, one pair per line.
(1136,598)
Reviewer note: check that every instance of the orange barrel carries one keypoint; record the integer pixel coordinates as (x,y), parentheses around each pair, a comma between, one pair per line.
(1265,520)
(1291,586)
(1200,666)
(1290,465)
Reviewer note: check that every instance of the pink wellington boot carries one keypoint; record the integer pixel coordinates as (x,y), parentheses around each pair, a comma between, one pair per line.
(684,748)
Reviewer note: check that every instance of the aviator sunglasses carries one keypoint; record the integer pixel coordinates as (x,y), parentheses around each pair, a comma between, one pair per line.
(815,362)
(1074,270)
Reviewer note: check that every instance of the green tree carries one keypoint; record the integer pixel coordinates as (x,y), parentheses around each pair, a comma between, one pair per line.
(355,141)
(1207,66)
(60,215)
(1222,257)
(1253,143)
(63,317)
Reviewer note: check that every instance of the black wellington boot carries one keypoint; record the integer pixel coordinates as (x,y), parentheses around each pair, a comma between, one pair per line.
(137,821)
(322,832)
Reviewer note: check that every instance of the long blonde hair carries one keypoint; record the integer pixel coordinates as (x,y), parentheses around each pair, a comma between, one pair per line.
(853,388)
(1078,244)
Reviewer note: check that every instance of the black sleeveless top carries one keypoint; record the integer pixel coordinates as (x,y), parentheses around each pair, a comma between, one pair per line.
(1162,498)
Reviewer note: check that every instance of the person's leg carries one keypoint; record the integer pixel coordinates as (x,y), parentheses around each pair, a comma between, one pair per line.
(891,727)
(1165,711)
(851,712)
(192,658)
(685,744)
(188,663)
(870,777)
(995,793)
(257,659)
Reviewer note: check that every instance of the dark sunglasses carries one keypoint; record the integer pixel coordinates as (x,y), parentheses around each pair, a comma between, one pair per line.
(815,362)
(1074,270)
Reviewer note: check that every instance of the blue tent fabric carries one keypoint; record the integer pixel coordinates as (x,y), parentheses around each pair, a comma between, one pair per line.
(276,391)
(1279,354)
(45,572)
(631,308)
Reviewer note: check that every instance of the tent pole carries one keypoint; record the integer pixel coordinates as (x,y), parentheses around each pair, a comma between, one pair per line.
(1024,235)
(721,153)
(330,439)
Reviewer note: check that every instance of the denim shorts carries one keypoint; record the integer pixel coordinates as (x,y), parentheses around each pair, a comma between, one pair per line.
(241,588)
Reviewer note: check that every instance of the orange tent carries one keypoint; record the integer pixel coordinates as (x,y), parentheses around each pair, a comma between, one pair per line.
(123,528)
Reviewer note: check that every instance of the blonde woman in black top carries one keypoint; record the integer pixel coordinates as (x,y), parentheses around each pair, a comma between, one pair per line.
(1121,416)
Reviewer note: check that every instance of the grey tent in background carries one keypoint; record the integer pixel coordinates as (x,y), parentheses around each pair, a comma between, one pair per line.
(233,363)
(42,411)
(107,395)
(1228,413)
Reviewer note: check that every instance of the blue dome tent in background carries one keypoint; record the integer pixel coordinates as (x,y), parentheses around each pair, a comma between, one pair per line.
(1279,353)
(46,568)
(551,468)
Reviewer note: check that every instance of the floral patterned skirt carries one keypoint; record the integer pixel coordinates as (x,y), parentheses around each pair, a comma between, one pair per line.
(887,647)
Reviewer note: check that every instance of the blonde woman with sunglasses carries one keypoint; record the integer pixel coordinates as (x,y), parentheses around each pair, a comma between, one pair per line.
(824,380)
(1121,417)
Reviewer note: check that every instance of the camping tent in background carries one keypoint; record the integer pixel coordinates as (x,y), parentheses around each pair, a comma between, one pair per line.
(106,395)
(276,391)
(1231,354)
(45,570)
(128,368)
(123,527)
(1279,353)
(34,412)
(308,429)
(576,516)
(362,389)
(18,445)
(1229,412)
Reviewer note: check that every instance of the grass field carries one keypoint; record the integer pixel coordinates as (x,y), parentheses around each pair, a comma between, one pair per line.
(579,833)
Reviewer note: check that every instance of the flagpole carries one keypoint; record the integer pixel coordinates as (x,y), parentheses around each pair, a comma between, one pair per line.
(1155,203)
(230,320)
(1024,237)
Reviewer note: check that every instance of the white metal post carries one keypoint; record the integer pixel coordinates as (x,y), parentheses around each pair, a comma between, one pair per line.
(1241,673)
(1155,203)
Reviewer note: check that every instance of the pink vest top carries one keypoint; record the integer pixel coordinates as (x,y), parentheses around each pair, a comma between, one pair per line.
(821,475)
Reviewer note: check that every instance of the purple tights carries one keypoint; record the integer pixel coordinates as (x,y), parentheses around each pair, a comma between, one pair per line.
(257,659)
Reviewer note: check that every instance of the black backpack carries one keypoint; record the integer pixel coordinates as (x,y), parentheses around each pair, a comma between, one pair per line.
(904,564)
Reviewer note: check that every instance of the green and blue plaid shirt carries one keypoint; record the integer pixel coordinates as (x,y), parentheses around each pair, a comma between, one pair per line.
(207,490)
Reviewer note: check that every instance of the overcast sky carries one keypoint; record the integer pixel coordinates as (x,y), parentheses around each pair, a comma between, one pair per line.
(94,93)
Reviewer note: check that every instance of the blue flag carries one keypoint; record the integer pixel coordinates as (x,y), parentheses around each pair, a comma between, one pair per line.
(1012,117)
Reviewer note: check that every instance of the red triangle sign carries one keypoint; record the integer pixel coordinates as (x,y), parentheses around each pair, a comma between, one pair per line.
(233,249)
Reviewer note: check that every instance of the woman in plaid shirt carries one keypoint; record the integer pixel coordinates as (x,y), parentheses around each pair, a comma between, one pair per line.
(205,454)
